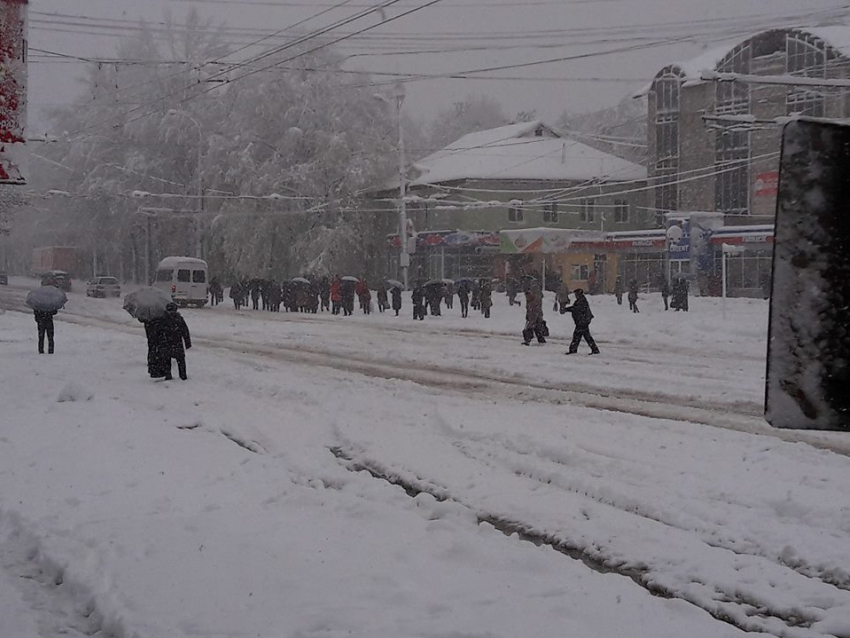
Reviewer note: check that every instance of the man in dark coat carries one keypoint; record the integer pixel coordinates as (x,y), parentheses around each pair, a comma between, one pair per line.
(633,295)
(171,333)
(534,324)
(582,316)
(513,290)
(486,298)
(665,292)
(325,293)
(44,321)
(383,302)
(434,297)
(236,294)
(396,295)
(418,299)
(463,297)
(618,291)
(680,294)
(255,294)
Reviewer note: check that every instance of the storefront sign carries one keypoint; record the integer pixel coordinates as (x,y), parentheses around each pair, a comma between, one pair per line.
(766,184)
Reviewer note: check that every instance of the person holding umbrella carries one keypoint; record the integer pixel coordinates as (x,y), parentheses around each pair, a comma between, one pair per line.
(45,303)
(149,305)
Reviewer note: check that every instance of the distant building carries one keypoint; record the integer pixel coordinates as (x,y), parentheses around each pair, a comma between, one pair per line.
(714,146)
(519,176)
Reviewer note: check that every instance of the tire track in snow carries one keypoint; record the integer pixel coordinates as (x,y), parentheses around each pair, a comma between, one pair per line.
(805,570)
(734,609)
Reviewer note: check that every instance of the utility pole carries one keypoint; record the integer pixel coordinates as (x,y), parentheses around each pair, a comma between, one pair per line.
(404,262)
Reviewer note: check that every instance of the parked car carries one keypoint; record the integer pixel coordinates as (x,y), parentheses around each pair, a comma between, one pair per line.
(58,278)
(103,287)
(4,279)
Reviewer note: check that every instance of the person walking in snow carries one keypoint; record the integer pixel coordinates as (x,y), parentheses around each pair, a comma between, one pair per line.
(364,295)
(534,324)
(463,297)
(513,290)
(562,297)
(216,292)
(417,297)
(336,295)
(449,295)
(665,292)
(325,292)
(383,300)
(633,295)
(170,335)
(396,295)
(618,291)
(44,322)
(486,298)
(236,294)
(582,316)
(680,295)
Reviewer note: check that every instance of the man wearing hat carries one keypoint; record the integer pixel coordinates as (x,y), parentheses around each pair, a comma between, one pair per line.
(582,316)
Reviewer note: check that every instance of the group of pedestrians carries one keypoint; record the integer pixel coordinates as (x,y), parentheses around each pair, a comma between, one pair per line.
(296,295)
(679,293)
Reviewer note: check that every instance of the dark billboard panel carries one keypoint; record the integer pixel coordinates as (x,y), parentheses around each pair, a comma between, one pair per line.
(808,364)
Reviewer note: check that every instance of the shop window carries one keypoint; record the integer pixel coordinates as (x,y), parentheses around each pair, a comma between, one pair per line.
(621,211)
(587,211)
(550,213)
(579,273)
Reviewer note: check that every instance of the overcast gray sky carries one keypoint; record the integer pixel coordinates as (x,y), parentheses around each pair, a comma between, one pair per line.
(508,32)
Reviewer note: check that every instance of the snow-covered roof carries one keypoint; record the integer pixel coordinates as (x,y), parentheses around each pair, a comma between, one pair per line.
(525,151)
(173,262)
(835,36)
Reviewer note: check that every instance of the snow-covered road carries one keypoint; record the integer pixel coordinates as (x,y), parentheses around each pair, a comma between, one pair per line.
(237,504)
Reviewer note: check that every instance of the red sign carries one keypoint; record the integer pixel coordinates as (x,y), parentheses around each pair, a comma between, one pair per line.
(766,184)
(13,89)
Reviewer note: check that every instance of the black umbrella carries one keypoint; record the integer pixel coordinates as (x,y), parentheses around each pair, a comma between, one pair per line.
(146,303)
(394,283)
(46,298)
(351,279)
(433,282)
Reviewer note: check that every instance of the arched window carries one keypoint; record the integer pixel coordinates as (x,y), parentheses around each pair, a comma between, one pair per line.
(806,56)
(667,91)
(732,144)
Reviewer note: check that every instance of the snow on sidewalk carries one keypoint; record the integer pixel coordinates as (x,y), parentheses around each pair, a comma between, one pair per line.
(214,507)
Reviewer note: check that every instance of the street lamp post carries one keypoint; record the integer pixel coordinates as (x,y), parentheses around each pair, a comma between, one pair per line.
(200,204)
(399,95)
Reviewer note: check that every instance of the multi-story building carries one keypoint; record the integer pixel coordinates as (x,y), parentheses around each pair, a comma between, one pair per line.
(714,144)
(519,176)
